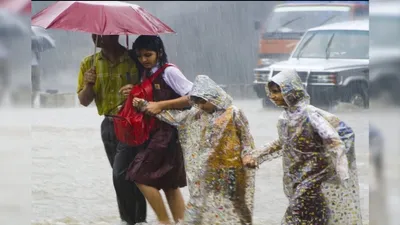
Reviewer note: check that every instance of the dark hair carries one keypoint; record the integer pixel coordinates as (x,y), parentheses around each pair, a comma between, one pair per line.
(272,84)
(152,43)
(292,97)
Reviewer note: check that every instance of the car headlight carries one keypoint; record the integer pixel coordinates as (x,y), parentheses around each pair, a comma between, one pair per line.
(262,75)
(265,62)
(324,78)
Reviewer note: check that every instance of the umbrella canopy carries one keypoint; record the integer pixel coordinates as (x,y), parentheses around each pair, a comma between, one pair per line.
(11,25)
(17,6)
(100,17)
(41,41)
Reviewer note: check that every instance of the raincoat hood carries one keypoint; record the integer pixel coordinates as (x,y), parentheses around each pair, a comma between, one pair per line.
(292,88)
(204,87)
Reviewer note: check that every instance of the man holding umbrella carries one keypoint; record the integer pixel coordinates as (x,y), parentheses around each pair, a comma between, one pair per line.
(108,76)
(102,82)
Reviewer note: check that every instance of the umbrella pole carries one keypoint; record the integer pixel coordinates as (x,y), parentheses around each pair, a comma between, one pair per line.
(128,77)
(127,42)
(94,55)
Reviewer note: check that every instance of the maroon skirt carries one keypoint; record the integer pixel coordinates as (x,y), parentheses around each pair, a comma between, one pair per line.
(159,162)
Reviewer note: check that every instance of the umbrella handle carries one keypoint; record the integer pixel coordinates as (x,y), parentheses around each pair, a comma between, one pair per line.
(127,42)
(94,54)
(128,77)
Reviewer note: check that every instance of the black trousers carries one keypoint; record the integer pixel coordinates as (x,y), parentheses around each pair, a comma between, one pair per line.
(131,202)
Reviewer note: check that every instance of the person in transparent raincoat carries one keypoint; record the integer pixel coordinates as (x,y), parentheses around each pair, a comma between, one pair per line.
(320,175)
(214,135)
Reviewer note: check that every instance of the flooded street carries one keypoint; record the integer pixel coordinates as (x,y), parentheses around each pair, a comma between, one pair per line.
(388,122)
(53,164)
(71,177)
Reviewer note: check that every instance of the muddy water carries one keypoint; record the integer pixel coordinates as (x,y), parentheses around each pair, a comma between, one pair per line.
(70,176)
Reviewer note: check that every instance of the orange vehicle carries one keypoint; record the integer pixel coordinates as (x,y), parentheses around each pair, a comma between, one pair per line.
(287,23)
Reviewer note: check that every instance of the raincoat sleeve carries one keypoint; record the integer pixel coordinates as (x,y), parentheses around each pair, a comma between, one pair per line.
(268,152)
(176,117)
(242,126)
(332,143)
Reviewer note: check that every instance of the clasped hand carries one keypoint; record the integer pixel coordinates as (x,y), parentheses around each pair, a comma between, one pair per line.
(151,108)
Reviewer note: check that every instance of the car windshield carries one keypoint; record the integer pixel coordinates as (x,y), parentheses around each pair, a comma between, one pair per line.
(338,44)
(391,26)
(302,18)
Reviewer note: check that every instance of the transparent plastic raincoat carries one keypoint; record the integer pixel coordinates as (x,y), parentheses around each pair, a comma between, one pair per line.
(320,175)
(221,188)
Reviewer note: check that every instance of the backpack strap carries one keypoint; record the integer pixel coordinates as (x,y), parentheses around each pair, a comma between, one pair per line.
(159,71)
(146,87)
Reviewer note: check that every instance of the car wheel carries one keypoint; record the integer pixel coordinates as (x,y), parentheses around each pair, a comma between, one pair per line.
(357,99)
(357,96)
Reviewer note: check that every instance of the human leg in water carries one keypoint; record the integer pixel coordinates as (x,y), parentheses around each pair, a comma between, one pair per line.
(153,196)
(176,203)
(131,202)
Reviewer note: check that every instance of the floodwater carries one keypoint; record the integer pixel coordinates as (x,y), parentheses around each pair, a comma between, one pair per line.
(70,177)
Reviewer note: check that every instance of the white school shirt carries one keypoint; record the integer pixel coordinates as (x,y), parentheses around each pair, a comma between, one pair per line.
(176,80)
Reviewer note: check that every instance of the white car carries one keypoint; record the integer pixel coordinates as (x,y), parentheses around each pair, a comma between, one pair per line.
(333,62)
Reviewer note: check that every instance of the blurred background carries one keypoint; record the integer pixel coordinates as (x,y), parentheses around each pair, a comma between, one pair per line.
(384,111)
(209,40)
(52,161)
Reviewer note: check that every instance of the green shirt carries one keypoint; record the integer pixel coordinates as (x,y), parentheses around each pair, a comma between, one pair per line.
(110,78)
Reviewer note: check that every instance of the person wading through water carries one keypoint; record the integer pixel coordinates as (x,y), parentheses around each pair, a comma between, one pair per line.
(159,163)
(320,176)
(108,82)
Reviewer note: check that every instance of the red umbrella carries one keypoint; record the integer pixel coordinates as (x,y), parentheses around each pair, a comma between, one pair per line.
(100,17)
(18,6)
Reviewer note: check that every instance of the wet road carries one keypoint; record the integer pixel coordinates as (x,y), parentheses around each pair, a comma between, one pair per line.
(71,177)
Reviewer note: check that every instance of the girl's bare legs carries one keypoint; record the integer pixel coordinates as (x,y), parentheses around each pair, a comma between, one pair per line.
(176,203)
(153,196)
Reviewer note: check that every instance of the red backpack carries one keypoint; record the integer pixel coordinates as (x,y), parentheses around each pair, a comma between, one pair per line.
(133,127)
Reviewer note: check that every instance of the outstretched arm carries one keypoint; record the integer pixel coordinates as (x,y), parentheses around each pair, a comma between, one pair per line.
(178,103)
(268,152)
(155,108)
(173,117)
(180,84)
(176,117)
